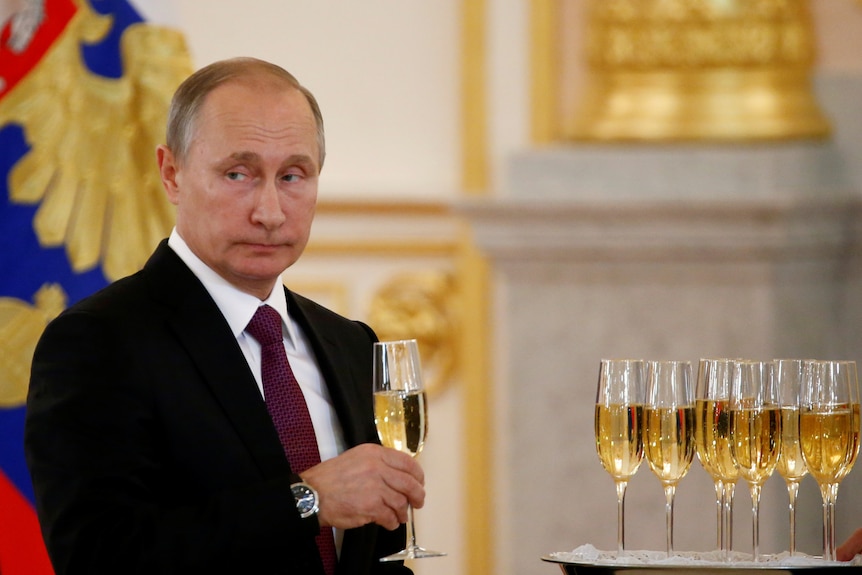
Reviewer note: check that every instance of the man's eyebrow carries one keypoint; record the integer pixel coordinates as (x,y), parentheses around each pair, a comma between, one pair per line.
(302,160)
(244,156)
(299,159)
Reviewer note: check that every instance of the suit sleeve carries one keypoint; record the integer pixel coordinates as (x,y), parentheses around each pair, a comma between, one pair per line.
(111,492)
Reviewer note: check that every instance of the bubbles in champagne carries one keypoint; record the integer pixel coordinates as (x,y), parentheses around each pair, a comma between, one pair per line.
(401,419)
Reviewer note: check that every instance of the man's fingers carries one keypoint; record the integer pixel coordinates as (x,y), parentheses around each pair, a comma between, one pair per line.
(407,488)
(403,462)
(850,547)
(367,484)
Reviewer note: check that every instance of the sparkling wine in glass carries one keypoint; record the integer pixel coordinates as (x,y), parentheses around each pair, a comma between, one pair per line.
(619,426)
(670,429)
(712,413)
(847,370)
(401,415)
(791,466)
(829,431)
(755,414)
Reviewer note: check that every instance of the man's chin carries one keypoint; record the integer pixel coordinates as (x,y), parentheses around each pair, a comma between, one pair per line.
(264,271)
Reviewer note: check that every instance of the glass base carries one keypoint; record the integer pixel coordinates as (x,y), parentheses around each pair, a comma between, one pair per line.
(414,552)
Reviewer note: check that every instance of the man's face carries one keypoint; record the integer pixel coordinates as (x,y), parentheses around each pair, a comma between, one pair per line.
(247,189)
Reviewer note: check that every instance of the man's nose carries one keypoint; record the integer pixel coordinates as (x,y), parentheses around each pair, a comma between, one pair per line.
(267,208)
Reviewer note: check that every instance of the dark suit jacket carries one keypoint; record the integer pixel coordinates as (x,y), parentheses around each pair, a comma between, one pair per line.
(150,447)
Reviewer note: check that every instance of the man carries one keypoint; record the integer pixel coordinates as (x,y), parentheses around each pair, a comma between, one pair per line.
(148,437)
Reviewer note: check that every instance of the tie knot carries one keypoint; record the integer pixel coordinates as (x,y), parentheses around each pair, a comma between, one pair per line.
(265,326)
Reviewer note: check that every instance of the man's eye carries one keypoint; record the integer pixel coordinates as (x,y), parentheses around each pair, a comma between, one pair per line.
(291,178)
(235,176)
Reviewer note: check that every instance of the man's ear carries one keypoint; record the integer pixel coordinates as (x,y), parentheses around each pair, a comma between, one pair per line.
(168,172)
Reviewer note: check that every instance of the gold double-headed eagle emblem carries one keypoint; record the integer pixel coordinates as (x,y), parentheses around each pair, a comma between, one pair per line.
(90,167)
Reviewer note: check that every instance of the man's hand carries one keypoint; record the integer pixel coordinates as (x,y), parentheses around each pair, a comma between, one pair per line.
(367,484)
(851,547)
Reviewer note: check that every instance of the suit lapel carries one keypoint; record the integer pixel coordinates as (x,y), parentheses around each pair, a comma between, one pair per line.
(337,372)
(203,332)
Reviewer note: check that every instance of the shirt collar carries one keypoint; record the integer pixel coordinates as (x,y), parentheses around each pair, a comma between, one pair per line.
(236,306)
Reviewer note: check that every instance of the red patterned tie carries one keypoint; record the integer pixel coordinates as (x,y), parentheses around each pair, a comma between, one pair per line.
(286,406)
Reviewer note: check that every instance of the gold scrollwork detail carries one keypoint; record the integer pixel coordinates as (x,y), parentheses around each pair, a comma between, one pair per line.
(420,305)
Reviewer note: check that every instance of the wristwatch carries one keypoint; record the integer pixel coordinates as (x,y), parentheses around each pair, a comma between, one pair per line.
(306,499)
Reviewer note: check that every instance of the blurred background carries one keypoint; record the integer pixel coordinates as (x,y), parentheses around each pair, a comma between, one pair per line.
(527,187)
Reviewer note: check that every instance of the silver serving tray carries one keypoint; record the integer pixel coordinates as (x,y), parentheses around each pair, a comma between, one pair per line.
(586,568)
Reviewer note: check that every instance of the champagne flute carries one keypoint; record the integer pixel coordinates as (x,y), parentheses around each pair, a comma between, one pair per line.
(712,401)
(791,465)
(755,415)
(827,427)
(401,415)
(619,427)
(670,429)
(848,371)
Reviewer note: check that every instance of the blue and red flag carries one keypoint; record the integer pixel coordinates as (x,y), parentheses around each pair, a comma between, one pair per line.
(84,91)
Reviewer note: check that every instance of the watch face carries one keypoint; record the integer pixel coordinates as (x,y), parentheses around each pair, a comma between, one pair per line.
(306,499)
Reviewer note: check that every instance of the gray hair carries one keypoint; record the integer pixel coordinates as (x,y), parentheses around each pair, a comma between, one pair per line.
(189,97)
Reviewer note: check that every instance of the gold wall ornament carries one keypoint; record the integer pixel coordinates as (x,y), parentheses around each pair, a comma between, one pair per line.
(91,166)
(420,305)
(21,325)
(698,70)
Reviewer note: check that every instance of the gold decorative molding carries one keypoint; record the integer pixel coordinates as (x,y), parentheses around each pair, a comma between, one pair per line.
(364,207)
(381,247)
(384,228)
(544,71)
(420,305)
(474,107)
(474,336)
(698,70)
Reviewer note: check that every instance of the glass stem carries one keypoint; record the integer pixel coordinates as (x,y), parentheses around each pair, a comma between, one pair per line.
(829,493)
(833,499)
(621,526)
(729,490)
(792,491)
(755,520)
(824,495)
(411,527)
(719,504)
(669,491)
